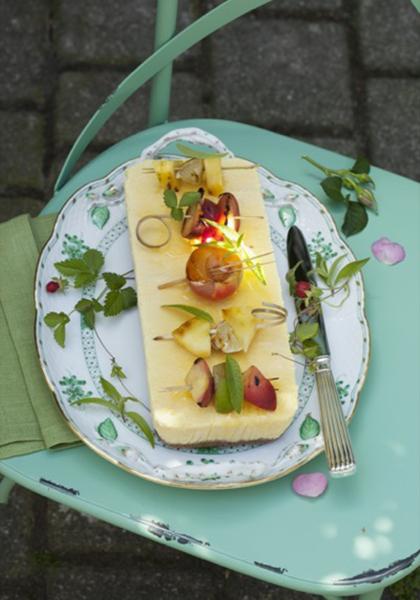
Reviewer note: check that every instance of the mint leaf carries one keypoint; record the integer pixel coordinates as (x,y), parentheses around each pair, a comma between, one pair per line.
(197,312)
(351,269)
(234,383)
(97,306)
(190,198)
(71,267)
(84,278)
(111,391)
(86,308)
(83,305)
(177,214)
(195,153)
(355,220)
(60,334)
(143,426)
(306,331)
(361,165)
(129,297)
(94,260)
(170,199)
(100,401)
(114,281)
(52,319)
(332,187)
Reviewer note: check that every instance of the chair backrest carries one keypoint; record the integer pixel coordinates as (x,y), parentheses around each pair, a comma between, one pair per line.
(158,65)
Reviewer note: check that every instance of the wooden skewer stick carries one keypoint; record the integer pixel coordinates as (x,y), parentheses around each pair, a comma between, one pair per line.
(238,218)
(168,284)
(187,388)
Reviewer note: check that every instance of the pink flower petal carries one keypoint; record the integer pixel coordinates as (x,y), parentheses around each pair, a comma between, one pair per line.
(310,485)
(387,252)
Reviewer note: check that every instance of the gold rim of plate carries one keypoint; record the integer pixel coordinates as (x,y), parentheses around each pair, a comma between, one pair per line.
(183,485)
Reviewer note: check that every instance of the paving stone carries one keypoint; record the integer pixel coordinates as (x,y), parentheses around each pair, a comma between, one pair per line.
(80,94)
(104,33)
(394,109)
(16,594)
(21,150)
(297,75)
(135,584)
(12,207)
(24,52)
(70,532)
(187,97)
(16,522)
(241,587)
(390,35)
(57,164)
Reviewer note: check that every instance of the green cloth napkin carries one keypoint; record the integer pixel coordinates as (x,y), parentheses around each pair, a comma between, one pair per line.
(29,418)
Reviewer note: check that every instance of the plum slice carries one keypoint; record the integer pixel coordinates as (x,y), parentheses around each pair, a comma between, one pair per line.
(258,390)
(201,382)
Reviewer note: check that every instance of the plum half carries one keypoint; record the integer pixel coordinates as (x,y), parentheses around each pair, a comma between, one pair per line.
(201,382)
(259,390)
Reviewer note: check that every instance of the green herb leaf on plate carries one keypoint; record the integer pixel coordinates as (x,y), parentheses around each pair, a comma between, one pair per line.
(114,281)
(99,401)
(197,312)
(234,383)
(306,331)
(60,334)
(142,425)
(177,214)
(110,390)
(94,260)
(351,269)
(117,371)
(52,319)
(355,220)
(129,297)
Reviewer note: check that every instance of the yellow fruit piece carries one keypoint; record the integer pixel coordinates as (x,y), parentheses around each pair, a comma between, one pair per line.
(165,171)
(194,336)
(213,173)
(243,324)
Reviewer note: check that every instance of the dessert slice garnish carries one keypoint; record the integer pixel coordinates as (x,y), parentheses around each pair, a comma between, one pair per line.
(205,276)
(200,382)
(243,323)
(228,387)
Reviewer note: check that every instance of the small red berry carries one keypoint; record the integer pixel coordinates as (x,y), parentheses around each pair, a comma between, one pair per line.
(52,287)
(301,288)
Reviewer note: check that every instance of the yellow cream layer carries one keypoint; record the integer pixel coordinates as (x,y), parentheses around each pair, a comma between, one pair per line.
(177,419)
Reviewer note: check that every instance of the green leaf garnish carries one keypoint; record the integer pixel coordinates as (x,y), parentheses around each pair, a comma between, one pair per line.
(190,198)
(110,390)
(118,300)
(306,331)
(142,425)
(233,242)
(351,269)
(100,401)
(355,220)
(114,281)
(177,214)
(197,312)
(195,153)
(85,270)
(170,199)
(58,322)
(234,383)
(118,372)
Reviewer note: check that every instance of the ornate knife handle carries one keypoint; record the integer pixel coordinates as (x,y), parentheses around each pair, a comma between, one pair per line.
(338,448)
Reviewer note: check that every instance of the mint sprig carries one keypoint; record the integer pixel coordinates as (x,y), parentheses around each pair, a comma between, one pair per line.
(177,207)
(359,196)
(195,153)
(116,402)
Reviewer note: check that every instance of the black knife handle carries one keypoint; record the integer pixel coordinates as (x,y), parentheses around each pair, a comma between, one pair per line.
(297,251)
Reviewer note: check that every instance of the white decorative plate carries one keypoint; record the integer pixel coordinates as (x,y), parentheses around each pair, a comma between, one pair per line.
(95,217)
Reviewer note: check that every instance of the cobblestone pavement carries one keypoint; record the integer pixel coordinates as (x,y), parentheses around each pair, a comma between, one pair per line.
(343,74)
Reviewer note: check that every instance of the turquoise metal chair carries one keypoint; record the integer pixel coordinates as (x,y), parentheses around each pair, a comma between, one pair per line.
(363,535)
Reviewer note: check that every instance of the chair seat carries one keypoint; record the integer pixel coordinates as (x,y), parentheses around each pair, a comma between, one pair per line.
(363,533)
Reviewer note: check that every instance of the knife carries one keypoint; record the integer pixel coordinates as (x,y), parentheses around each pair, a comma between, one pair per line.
(337,442)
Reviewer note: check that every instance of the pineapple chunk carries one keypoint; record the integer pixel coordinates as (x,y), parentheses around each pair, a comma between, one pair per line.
(243,324)
(165,171)
(213,172)
(194,336)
